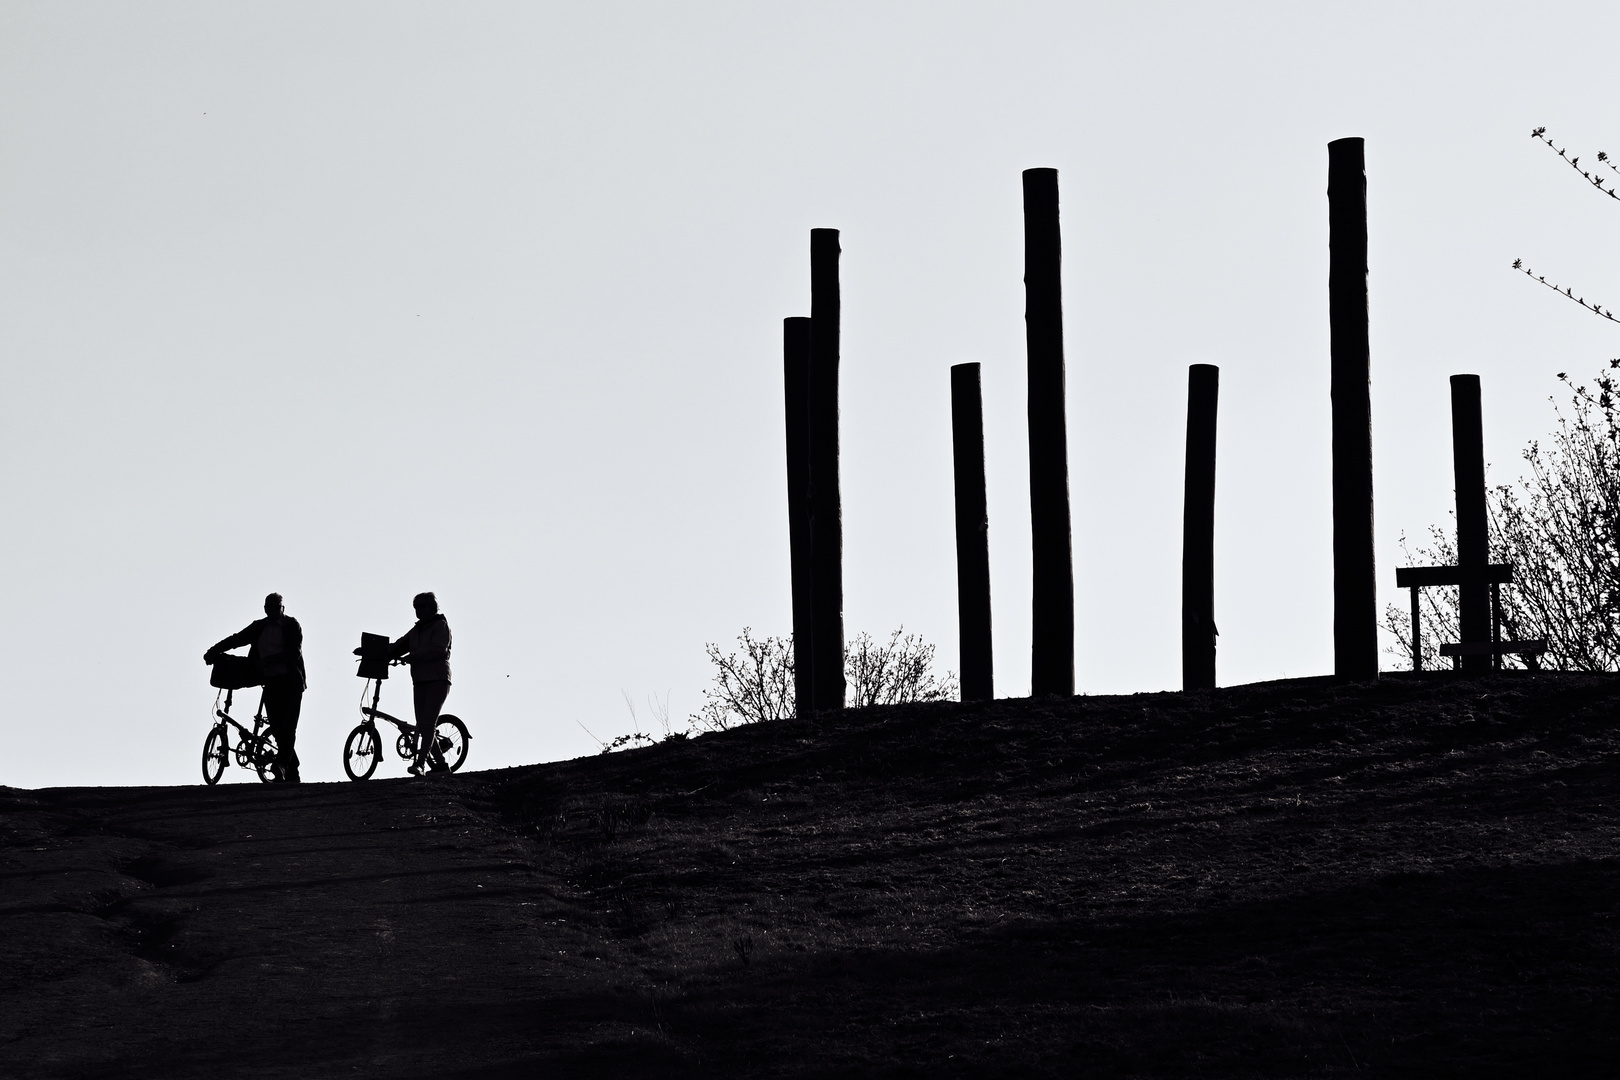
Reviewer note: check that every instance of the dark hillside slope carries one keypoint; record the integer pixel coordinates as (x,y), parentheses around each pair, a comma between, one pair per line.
(1417,878)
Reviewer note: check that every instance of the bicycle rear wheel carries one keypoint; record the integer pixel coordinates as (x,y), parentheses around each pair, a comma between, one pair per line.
(264,755)
(214,755)
(361,752)
(450,740)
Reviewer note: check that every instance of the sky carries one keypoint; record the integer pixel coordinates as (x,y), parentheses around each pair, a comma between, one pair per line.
(353,300)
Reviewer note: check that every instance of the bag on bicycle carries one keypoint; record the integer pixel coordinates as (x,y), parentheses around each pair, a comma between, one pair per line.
(234,673)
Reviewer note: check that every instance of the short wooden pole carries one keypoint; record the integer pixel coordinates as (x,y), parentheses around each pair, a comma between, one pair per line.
(1473,536)
(1417,631)
(972,534)
(1052,607)
(1496,626)
(796,400)
(1198,532)
(1355,598)
(826,510)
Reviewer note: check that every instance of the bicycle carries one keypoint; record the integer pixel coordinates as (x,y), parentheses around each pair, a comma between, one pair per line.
(254,749)
(362,750)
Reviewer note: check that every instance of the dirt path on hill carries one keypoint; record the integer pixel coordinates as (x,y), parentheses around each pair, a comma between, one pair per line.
(384,928)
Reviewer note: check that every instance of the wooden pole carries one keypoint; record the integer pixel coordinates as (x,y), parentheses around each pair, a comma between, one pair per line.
(1417,630)
(1473,537)
(1052,637)
(826,511)
(1198,532)
(1355,600)
(796,399)
(972,534)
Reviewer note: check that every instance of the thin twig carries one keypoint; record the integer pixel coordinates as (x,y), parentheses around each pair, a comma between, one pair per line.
(1575,163)
(1601,312)
(587,731)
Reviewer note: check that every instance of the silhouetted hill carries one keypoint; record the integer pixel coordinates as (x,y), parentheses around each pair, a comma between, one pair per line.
(1414,878)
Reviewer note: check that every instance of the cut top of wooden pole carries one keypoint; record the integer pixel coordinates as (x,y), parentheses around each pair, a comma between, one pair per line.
(1052,607)
(826,508)
(1355,599)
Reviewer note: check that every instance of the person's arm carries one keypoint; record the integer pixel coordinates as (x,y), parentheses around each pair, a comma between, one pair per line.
(401,648)
(235,641)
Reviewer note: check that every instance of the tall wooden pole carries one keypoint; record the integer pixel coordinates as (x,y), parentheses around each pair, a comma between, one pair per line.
(1355,602)
(972,534)
(1473,533)
(1198,532)
(796,399)
(1052,638)
(826,511)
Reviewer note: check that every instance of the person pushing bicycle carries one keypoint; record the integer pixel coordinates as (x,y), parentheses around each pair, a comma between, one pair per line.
(276,645)
(427,646)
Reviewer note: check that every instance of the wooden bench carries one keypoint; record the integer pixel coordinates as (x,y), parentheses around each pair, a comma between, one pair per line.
(1494,574)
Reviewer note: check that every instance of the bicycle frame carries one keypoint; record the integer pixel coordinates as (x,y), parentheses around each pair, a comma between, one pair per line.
(253,749)
(372,713)
(244,735)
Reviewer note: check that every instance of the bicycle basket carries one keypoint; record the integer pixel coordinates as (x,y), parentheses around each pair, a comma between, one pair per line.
(373,656)
(234,673)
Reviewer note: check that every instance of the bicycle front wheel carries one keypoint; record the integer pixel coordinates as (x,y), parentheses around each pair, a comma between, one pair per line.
(450,740)
(361,752)
(214,756)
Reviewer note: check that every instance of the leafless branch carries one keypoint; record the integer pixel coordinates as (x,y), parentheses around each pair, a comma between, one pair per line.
(1575,163)
(1567,293)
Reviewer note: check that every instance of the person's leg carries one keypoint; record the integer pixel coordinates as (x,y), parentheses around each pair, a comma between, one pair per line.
(436,760)
(283,702)
(272,715)
(428,699)
(287,737)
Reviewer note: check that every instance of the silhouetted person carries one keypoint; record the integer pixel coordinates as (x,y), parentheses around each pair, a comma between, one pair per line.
(276,644)
(427,646)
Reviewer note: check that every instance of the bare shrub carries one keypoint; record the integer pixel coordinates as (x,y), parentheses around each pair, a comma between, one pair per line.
(755,683)
(899,670)
(750,686)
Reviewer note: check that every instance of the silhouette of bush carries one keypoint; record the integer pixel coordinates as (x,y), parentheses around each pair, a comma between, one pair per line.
(897,671)
(750,686)
(755,684)
(1559,527)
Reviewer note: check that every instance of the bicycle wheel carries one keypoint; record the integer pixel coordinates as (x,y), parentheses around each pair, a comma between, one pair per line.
(450,740)
(215,756)
(361,752)
(264,755)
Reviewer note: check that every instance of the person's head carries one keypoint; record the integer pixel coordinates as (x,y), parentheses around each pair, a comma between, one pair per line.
(272,605)
(426,604)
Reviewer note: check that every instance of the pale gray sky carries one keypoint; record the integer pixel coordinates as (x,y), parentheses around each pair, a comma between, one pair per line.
(351,300)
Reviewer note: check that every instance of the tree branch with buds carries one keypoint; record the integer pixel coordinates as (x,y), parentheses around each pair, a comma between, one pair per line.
(1575,163)
(1596,309)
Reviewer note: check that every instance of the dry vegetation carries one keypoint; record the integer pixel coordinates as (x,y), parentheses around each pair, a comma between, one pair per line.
(1417,878)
